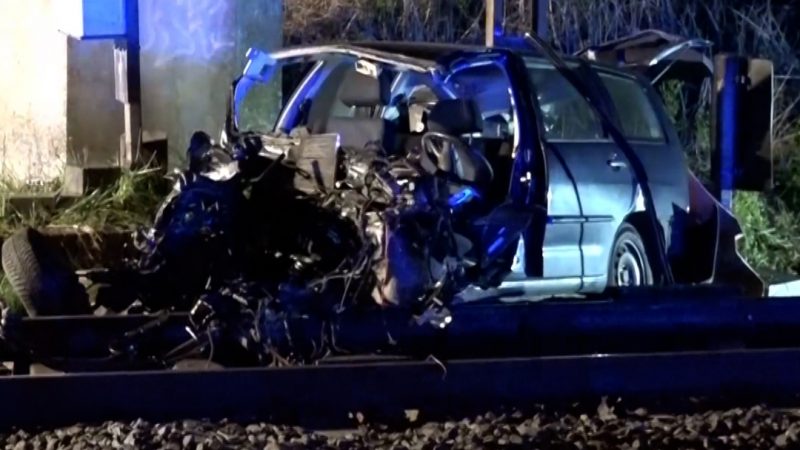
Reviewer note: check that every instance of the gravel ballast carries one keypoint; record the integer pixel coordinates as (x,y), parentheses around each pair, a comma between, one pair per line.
(750,428)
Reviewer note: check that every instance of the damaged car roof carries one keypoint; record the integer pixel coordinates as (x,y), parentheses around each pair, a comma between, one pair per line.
(410,62)
(420,56)
(653,52)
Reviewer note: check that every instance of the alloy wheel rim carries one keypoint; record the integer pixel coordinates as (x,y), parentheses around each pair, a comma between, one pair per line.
(629,269)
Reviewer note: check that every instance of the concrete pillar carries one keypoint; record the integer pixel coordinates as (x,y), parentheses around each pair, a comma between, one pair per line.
(57,100)
(191,51)
(94,117)
(33,92)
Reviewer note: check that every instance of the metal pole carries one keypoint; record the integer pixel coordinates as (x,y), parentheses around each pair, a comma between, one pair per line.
(489,37)
(540,10)
(727,143)
(495,18)
(128,85)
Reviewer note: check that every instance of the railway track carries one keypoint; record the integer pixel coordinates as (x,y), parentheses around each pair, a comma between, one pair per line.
(329,395)
(665,351)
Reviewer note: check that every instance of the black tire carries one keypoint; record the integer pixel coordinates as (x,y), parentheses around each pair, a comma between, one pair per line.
(41,276)
(629,264)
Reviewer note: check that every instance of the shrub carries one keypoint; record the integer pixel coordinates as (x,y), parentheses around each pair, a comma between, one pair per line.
(310,21)
(772,242)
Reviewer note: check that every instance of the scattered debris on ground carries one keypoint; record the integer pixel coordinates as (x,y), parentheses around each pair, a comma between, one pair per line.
(751,428)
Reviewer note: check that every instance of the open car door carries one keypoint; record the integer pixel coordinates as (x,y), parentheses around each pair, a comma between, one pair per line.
(657,55)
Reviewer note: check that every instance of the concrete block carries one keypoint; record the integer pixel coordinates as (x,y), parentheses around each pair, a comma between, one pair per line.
(28,205)
(88,248)
(83,180)
(154,153)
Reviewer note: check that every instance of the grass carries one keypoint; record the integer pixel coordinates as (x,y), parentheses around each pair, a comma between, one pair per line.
(772,242)
(128,203)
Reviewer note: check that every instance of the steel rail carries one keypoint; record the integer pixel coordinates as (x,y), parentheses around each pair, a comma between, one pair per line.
(326,396)
(612,342)
(651,321)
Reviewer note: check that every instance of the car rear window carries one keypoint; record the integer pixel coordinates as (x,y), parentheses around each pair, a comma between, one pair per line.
(566,115)
(636,113)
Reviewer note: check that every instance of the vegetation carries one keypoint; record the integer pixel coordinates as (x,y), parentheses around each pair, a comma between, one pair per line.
(309,21)
(128,203)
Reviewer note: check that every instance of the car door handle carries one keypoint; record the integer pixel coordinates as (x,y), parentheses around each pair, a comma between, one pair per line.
(616,164)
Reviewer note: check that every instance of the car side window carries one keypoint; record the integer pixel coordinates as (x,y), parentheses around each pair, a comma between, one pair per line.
(340,110)
(636,113)
(326,102)
(259,109)
(565,113)
(488,87)
(332,91)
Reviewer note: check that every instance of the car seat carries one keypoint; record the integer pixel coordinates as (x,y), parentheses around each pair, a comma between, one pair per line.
(366,96)
(496,143)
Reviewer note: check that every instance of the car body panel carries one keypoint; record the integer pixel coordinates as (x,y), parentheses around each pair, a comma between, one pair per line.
(579,191)
(655,54)
(605,197)
(562,241)
(527,187)
(607,194)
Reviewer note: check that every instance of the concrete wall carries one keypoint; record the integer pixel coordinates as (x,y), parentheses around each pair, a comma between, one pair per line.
(191,51)
(33,92)
(94,116)
(57,94)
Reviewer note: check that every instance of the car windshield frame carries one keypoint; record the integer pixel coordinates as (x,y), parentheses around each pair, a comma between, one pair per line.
(261,67)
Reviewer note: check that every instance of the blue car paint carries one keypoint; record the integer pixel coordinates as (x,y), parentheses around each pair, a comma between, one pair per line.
(529,183)
(462,197)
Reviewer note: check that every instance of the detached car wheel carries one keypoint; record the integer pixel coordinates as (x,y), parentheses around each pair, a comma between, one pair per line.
(41,276)
(629,265)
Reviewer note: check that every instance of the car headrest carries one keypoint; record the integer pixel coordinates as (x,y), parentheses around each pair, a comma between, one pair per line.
(422,95)
(456,117)
(361,90)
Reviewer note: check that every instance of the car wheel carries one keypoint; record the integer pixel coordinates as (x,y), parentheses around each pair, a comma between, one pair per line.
(629,265)
(41,276)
